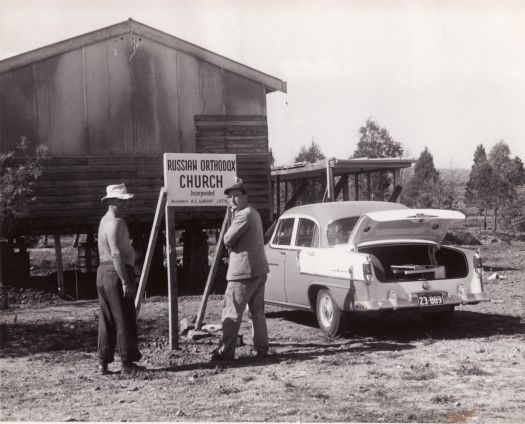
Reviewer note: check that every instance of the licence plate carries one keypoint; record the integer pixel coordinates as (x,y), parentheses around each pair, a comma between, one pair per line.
(429,299)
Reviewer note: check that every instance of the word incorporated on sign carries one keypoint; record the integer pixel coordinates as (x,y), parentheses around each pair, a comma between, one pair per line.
(198,179)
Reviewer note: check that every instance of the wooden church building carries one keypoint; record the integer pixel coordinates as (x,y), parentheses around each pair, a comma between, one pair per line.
(109,103)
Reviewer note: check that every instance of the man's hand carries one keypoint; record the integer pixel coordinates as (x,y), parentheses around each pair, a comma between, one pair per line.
(129,292)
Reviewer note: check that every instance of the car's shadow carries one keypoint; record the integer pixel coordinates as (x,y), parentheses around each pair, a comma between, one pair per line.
(407,326)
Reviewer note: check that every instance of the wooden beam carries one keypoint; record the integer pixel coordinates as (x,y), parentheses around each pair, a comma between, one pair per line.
(213,270)
(368,187)
(381,185)
(330,180)
(159,212)
(395,194)
(356,181)
(171,241)
(341,185)
(296,195)
(60,268)
(278,193)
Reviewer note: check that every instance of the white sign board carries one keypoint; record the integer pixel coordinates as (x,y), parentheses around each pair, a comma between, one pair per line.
(198,179)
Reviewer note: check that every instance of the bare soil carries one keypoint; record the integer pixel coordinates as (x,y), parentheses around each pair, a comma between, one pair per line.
(400,368)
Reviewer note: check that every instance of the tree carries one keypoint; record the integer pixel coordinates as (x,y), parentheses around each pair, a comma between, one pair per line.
(17,179)
(479,192)
(507,174)
(312,153)
(493,181)
(445,190)
(376,142)
(513,216)
(419,191)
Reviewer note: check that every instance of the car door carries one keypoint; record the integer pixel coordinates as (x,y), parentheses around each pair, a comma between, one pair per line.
(276,254)
(296,282)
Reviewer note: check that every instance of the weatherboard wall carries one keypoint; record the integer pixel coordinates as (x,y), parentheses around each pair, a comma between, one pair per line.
(107,112)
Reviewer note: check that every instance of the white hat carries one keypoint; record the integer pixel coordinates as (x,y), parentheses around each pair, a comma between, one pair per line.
(117,191)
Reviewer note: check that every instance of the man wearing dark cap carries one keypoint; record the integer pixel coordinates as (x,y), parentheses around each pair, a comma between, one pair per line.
(116,285)
(247,271)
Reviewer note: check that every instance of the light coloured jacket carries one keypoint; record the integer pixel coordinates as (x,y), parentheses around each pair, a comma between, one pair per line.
(245,243)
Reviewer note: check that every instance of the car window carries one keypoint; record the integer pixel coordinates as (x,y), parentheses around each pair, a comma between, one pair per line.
(283,235)
(307,234)
(339,231)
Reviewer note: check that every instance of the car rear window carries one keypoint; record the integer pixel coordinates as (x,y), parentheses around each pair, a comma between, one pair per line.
(339,231)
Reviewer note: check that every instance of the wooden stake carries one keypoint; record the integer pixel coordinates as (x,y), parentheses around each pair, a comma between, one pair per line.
(213,270)
(330,180)
(171,241)
(161,204)
(60,268)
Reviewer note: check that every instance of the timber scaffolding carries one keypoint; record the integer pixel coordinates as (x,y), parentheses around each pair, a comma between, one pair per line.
(337,179)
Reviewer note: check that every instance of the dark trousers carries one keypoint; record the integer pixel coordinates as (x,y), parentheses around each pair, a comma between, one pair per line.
(117,322)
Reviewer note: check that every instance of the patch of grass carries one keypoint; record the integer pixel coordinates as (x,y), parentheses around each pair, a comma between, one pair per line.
(377,374)
(440,399)
(471,369)
(228,390)
(419,373)
(321,395)
(289,385)
(427,375)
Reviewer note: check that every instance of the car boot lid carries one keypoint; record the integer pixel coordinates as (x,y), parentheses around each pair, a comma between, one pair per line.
(407,224)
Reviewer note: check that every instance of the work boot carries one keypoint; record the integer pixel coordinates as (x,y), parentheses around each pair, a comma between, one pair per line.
(103,368)
(216,355)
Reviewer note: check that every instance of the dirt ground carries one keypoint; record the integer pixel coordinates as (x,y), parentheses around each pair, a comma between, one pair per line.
(396,369)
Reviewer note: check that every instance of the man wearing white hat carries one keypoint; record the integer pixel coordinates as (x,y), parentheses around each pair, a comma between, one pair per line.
(116,285)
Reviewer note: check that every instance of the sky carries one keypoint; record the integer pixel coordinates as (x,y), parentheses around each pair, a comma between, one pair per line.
(442,74)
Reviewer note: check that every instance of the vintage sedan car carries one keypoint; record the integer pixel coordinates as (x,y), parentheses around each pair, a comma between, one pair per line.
(369,257)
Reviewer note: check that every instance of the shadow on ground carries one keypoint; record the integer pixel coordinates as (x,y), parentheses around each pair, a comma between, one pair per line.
(407,326)
(27,339)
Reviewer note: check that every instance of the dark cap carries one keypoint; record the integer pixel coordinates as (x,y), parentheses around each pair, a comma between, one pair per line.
(239,185)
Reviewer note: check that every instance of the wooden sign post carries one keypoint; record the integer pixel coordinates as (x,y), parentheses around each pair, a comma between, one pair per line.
(171,242)
(193,181)
(159,212)
(213,270)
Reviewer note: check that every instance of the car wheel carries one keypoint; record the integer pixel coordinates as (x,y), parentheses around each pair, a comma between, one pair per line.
(329,316)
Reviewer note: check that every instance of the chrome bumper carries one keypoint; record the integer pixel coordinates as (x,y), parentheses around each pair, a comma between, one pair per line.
(393,303)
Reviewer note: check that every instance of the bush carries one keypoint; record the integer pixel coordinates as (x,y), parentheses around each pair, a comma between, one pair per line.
(18,175)
(512,216)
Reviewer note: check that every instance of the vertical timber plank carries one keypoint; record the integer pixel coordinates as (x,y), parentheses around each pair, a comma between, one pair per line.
(172,278)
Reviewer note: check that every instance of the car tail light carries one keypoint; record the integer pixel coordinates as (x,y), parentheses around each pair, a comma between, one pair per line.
(478,264)
(367,271)
(478,267)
